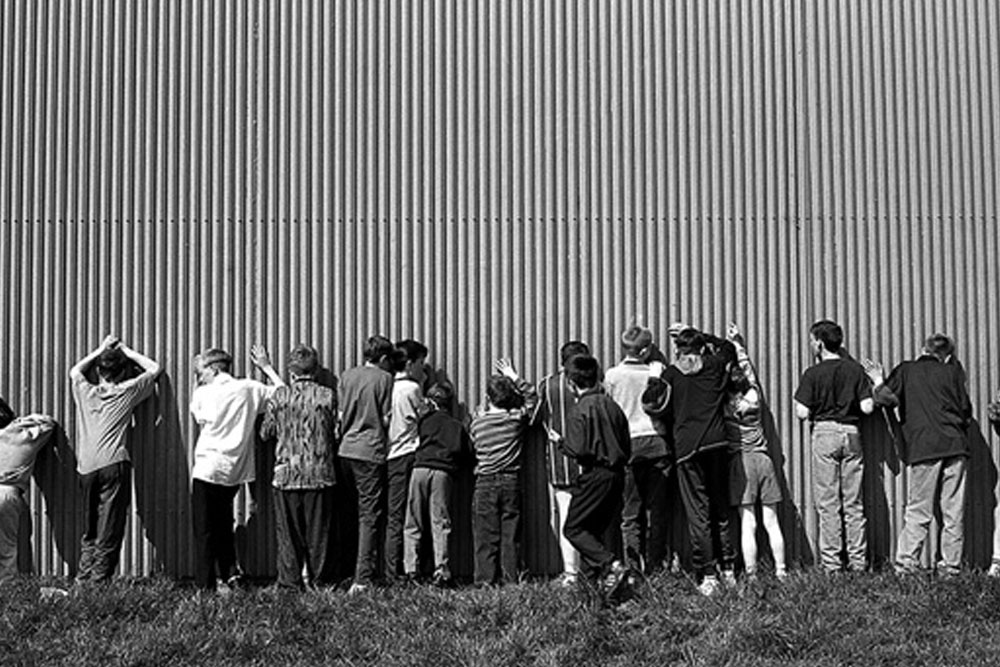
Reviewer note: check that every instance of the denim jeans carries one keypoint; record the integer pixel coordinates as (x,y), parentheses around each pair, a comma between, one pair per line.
(926,479)
(106,496)
(429,498)
(496,527)
(838,468)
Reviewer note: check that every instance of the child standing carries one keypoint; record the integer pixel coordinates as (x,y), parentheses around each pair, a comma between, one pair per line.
(497,435)
(752,477)
(365,397)
(598,438)
(407,404)
(444,448)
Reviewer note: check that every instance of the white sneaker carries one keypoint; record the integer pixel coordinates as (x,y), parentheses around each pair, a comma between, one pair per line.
(994,570)
(357,589)
(709,585)
(729,578)
(566,580)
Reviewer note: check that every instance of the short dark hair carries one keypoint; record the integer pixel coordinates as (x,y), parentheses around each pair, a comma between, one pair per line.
(689,341)
(502,392)
(414,349)
(829,334)
(940,346)
(584,371)
(6,414)
(572,348)
(111,363)
(218,359)
(377,347)
(441,394)
(397,360)
(303,360)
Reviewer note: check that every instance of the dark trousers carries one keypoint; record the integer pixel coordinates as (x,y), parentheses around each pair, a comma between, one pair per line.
(399,471)
(367,481)
(703,481)
(644,515)
(596,499)
(496,527)
(212,521)
(106,496)
(302,520)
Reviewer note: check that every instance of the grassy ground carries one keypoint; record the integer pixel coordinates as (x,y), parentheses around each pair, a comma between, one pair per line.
(809,620)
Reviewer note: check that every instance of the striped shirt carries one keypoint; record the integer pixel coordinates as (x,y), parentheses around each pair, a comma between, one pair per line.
(103,416)
(303,419)
(555,405)
(497,435)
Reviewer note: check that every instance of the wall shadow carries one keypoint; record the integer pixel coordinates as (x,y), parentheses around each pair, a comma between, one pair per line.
(882,443)
(161,478)
(980,499)
(56,479)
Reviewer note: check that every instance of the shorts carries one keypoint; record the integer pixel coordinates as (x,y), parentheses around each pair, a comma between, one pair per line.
(752,478)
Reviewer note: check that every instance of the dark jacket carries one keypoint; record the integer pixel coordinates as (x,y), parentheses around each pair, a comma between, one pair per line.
(934,407)
(444,443)
(597,433)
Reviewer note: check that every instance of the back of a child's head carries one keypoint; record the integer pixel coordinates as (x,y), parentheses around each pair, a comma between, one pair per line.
(111,363)
(829,333)
(940,345)
(571,349)
(303,361)
(689,341)
(413,349)
(584,371)
(637,342)
(502,393)
(377,348)
(441,394)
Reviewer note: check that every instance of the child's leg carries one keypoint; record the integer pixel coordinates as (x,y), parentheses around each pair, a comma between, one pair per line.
(486,528)
(510,528)
(748,537)
(561,499)
(440,510)
(770,516)
(413,529)
(590,513)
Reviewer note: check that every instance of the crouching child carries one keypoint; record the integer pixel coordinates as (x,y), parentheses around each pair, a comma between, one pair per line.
(444,447)
(598,438)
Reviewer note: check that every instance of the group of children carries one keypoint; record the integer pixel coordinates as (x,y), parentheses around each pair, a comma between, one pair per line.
(616,443)
(636,443)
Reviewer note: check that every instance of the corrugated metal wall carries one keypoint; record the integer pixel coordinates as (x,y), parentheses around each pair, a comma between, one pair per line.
(492,177)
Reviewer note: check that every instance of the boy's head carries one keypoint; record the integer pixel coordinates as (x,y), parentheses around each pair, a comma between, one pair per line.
(414,355)
(441,394)
(303,361)
(827,335)
(6,414)
(211,362)
(378,349)
(111,364)
(502,393)
(939,346)
(637,342)
(689,341)
(571,349)
(583,372)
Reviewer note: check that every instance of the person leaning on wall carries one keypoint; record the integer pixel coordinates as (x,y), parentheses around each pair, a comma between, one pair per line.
(104,414)
(21,438)
(226,409)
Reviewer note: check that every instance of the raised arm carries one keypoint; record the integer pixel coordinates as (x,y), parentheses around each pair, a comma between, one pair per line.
(262,360)
(527,390)
(147,365)
(76,373)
